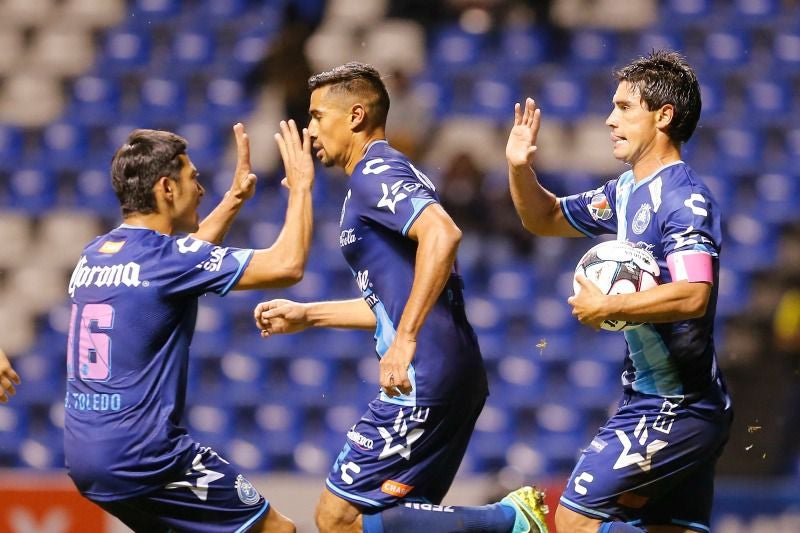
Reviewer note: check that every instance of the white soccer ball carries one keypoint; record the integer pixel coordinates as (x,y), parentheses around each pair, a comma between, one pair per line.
(618,267)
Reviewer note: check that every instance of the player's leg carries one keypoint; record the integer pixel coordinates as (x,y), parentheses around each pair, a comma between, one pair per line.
(334,514)
(274,522)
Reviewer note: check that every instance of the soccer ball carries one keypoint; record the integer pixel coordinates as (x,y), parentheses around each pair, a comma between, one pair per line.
(618,267)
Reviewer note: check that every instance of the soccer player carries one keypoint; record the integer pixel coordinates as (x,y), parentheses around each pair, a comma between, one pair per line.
(8,378)
(401,247)
(652,464)
(134,298)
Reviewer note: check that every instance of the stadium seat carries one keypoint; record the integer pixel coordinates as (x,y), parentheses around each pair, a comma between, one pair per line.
(659,39)
(65,146)
(62,234)
(61,51)
(769,102)
(522,49)
(31,99)
(90,14)
(214,13)
(591,382)
(591,50)
(14,424)
(739,150)
(454,49)
(785,52)
(522,380)
(11,146)
(687,12)
(778,195)
(226,101)
(715,104)
(26,13)
(726,51)
(210,424)
(243,378)
(33,190)
(563,97)
(96,100)
(493,98)
(734,289)
(191,51)
(125,51)
(155,12)
(755,13)
(751,241)
(12,49)
(206,147)
(161,101)
(94,192)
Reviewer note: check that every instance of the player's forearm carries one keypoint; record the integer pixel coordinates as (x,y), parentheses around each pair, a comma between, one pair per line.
(537,207)
(670,302)
(215,226)
(436,253)
(350,314)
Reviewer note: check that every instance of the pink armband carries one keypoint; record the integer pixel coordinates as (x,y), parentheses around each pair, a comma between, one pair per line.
(691,266)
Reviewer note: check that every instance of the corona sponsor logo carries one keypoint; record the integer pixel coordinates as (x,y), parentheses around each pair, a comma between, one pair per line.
(103,276)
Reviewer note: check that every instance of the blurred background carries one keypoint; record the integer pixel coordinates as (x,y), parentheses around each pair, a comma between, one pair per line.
(77,75)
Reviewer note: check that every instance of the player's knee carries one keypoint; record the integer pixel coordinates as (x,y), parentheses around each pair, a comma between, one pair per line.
(331,519)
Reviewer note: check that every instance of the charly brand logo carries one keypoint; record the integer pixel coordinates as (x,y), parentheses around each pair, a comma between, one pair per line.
(246,491)
(347,237)
(104,276)
(397,195)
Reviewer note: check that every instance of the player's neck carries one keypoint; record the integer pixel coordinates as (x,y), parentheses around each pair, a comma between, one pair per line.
(651,162)
(153,221)
(360,144)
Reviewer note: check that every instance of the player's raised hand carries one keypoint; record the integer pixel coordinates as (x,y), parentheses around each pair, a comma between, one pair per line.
(522,138)
(244,181)
(588,304)
(280,316)
(393,367)
(296,155)
(8,378)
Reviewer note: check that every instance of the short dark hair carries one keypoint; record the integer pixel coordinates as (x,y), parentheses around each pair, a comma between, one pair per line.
(146,156)
(360,79)
(665,77)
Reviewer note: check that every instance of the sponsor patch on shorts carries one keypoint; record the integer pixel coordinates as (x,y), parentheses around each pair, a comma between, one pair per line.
(395,488)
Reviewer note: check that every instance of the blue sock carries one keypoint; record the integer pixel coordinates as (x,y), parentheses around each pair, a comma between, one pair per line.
(412,517)
(618,527)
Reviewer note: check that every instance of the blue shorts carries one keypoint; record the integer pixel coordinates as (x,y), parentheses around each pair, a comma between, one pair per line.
(653,462)
(211,497)
(397,452)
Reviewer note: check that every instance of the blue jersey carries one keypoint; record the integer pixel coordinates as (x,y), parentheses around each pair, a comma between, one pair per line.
(386,196)
(134,303)
(668,212)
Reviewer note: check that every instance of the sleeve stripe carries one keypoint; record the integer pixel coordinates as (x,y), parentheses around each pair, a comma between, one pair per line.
(572,221)
(418,208)
(243,262)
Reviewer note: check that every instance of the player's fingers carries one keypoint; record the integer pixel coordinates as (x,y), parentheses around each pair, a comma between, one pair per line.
(536,121)
(295,136)
(287,139)
(517,114)
(12,375)
(285,183)
(306,141)
(282,148)
(7,386)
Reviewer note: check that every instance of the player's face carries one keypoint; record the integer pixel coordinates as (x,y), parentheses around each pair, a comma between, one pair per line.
(329,127)
(633,126)
(188,193)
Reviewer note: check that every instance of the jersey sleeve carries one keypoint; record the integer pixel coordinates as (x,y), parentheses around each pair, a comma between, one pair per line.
(592,212)
(688,222)
(193,266)
(396,195)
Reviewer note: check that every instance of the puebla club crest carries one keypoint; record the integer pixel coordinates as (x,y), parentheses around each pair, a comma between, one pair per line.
(641,219)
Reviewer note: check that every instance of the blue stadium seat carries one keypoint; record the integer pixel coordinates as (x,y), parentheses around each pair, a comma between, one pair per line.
(687,12)
(210,424)
(311,380)
(523,48)
(751,241)
(454,49)
(785,52)
(713,96)
(34,190)
(592,50)
(591,382)
(14,426)
(96,100)
(522,379)
(11,146)
(493,98)
(659,39)
(161,101)
(93,191)
(247,52)
(218,12)
(734,290)
(125,51)
(739,150)
(726,51)
(778,195)
(191,51)
(212,334)
(65,146)
(563,97)
(243,378)
(768,101)
(147,13)
(227,101)
(755,13)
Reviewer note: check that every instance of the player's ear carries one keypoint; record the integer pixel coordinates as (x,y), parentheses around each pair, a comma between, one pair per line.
(164,186)
(664,115)
(358,117)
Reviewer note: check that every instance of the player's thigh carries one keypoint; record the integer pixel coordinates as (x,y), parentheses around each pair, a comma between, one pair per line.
(569,520)
(336,514)
(274,522)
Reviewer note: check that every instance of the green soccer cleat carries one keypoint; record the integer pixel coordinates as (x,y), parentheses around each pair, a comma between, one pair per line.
(528,503)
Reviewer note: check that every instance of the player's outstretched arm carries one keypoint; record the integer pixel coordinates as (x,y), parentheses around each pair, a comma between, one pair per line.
(8,378)
(216,225)
(285,316)
(537,207)
(438,238)
(283,263)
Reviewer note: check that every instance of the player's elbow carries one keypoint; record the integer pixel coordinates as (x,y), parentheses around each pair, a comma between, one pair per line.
(696,304)
(288,275)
